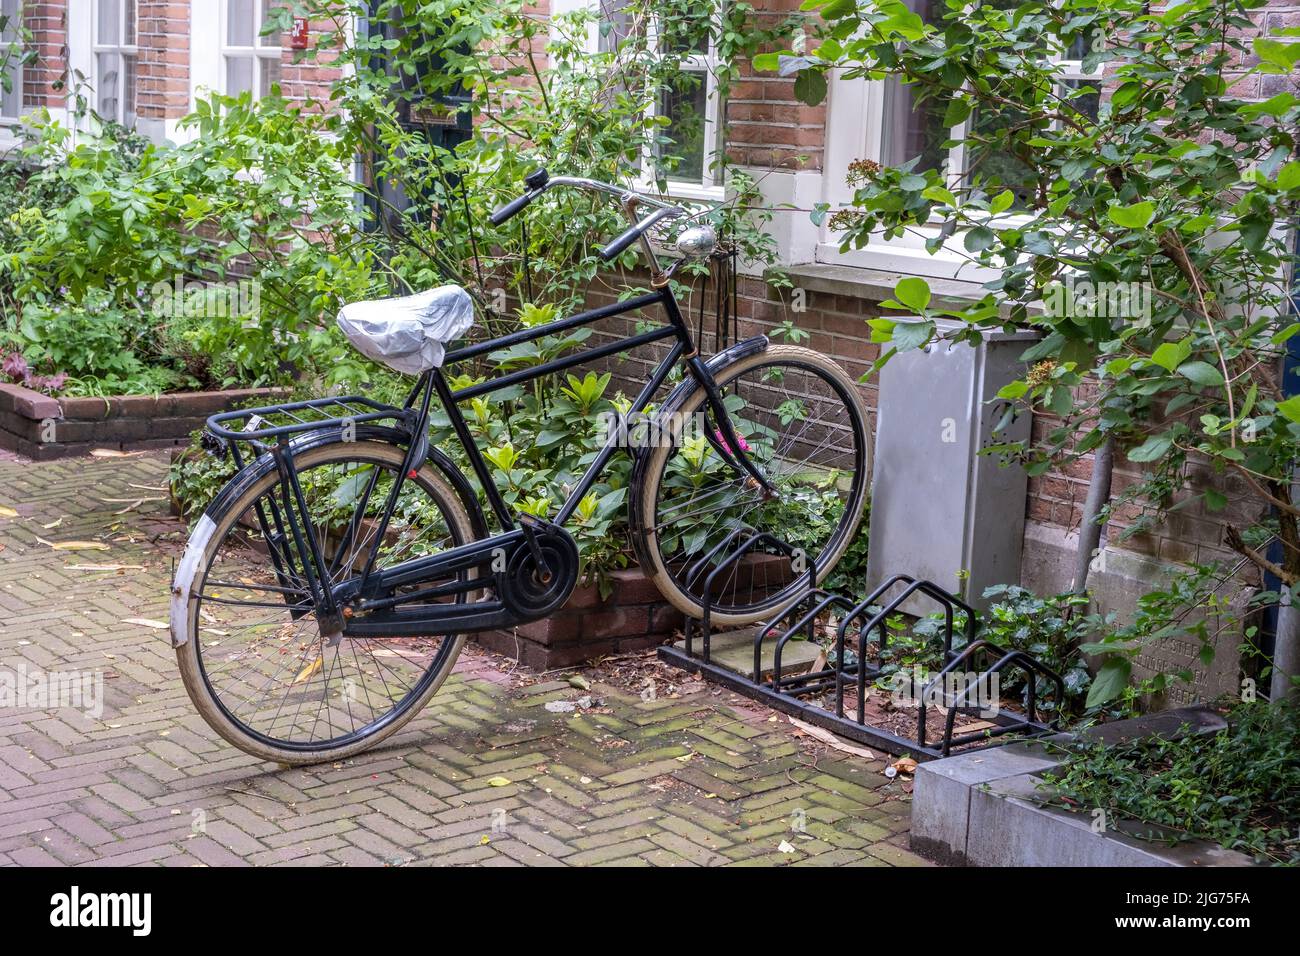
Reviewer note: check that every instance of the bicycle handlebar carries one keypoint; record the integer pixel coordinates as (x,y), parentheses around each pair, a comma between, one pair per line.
(539,181)
(512,207)
(634,232)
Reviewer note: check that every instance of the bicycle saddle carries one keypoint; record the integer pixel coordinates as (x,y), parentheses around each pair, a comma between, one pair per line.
(409,333)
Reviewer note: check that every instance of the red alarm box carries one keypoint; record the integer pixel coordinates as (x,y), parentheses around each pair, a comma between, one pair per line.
(298,36)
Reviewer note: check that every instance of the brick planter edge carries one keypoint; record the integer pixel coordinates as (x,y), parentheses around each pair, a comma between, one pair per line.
(634,617)
(42,428)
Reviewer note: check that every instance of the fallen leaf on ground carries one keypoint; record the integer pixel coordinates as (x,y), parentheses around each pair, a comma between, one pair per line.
(111,453)
(499,782)
(147,622)
(79,546)
(307,671)
(904,765)
(103,567)
(52,524)
(580,682)
(785,846)
(831,739)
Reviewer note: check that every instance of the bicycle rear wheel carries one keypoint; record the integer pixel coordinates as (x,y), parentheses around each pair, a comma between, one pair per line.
(803,422)
(256,663)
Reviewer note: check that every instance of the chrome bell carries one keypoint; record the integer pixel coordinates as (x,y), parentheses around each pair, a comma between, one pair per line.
(697,242)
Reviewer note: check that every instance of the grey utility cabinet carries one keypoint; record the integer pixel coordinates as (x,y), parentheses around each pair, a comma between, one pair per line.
(939,509)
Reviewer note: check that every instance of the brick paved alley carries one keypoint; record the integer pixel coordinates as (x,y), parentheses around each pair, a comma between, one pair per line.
(485,775)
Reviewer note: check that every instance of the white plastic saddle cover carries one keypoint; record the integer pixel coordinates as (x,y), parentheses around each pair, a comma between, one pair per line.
(409,334)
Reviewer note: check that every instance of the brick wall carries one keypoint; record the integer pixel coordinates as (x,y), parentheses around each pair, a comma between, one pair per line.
(163,63)
(766,125)
(42,77)
(309,79)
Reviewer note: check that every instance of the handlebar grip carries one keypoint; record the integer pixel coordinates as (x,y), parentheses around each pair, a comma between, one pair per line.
(512,207)
(622,241)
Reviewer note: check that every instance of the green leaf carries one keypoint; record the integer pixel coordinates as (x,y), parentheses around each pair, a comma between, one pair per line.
(1061,400)
(1285,334)
(1136,216)
(766,61)
(1073,169)
(913,292)
(1278,57)
(810,87)
(956,113)
(1002,202)
(1290,409)
(1273,106)
(912,335)
(1041,350)
(936,193)
(1014,390)
(979,239)
(1153,449)
(1288,177)
(1171,354)
(1202,373)
(1112,677)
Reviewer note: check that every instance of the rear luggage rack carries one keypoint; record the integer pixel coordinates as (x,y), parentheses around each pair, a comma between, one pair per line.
(273,422)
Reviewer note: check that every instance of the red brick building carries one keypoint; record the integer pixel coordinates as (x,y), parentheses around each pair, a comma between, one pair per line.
(145,61)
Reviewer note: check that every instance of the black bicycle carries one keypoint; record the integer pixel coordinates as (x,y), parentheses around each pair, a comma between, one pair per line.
(326,592)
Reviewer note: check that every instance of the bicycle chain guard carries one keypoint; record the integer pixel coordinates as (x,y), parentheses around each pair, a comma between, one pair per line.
(527,591)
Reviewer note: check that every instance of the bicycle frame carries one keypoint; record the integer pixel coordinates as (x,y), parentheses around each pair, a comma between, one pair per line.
(385,616)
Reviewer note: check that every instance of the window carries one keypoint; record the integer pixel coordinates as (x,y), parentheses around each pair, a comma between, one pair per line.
(11,90)
(883,120)
(251,59)
(915,130)
(687,149)
(115,60)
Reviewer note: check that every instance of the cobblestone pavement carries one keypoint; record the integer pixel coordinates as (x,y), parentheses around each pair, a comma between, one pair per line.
(485,775)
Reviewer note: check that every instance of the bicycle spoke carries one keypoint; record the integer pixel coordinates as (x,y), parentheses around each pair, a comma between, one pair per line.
(796,428)
(272,670)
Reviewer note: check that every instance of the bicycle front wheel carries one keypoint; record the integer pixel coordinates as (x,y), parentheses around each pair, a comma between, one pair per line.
(256,663)
(802,421)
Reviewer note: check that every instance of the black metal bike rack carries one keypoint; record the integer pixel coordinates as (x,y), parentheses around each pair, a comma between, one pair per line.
(864,618)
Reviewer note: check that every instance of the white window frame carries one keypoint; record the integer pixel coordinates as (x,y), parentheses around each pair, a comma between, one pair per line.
(706,63)
(15,95)
(707,188)
(256,52)
(122,50)
(855,130)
